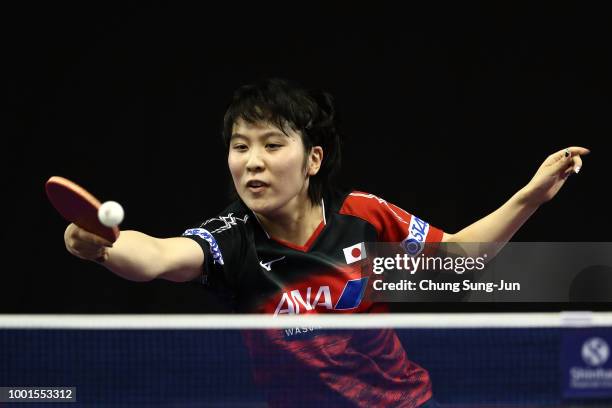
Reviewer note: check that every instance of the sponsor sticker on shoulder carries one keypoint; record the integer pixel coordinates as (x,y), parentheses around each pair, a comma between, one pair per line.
(414,243)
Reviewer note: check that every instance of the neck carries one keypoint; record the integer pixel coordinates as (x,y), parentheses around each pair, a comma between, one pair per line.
(294,223)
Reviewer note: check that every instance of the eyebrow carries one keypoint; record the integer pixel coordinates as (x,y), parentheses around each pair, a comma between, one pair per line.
(262,136)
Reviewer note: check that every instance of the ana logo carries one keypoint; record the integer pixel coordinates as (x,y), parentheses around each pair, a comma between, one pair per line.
(294,302)
(355,253)
(268,265)
(417,232)
(595,351)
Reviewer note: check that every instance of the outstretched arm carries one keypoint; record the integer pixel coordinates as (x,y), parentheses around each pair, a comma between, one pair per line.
(498,227)
(137,256)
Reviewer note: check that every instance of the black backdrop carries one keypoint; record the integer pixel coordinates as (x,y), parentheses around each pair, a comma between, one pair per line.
(446,112)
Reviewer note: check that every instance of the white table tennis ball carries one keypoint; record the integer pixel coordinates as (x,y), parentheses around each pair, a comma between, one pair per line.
(110,214)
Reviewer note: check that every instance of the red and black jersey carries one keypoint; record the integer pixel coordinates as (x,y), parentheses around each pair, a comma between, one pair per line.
(266,275)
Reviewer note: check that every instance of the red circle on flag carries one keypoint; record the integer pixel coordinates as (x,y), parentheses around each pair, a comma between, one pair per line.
(356,252)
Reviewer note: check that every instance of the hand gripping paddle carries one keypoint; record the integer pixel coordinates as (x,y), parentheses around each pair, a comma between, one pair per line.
(77,205)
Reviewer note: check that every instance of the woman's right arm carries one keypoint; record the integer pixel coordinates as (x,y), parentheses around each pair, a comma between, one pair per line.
(138,257)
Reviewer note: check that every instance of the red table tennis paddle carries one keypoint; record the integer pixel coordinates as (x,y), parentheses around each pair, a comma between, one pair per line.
(77,205)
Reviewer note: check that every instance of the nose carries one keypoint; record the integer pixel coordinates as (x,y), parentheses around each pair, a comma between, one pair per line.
(255,161)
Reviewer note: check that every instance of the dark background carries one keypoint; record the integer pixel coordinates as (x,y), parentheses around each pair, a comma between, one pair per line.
(446,112)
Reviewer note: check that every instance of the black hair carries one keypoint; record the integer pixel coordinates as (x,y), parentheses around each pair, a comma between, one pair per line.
(284,103)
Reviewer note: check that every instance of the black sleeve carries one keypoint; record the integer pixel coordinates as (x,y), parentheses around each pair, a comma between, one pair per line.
(222,240)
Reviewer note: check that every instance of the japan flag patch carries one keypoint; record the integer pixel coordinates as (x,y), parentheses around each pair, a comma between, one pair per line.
(355,253)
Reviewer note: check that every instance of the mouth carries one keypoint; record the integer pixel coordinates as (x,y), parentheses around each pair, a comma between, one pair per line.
(256,186)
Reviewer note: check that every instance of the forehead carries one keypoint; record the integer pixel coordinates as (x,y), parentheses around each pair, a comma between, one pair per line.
(244,128)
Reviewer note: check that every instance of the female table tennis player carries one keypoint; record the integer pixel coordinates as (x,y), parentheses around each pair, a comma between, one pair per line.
(292,243)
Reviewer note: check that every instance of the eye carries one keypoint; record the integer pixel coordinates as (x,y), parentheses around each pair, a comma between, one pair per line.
(273,146)
(239,147)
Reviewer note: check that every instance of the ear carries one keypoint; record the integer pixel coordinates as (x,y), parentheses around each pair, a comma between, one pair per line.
(314,160)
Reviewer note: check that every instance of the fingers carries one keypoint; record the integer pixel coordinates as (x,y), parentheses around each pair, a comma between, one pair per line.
(577,164)
(86,245)
(581,151)
(100,255)
(572,153)
(102,258)
(571,164)
(561,162)
(81,237)
(92,239)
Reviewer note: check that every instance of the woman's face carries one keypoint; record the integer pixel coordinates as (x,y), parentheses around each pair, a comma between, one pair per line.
(269,168)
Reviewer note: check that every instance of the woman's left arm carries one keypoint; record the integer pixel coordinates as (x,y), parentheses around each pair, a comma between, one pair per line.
(498,227)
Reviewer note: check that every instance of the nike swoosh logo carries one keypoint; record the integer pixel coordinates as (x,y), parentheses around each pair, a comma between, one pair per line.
(268,265)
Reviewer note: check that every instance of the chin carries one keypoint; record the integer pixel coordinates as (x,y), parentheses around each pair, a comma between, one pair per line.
(260,206)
